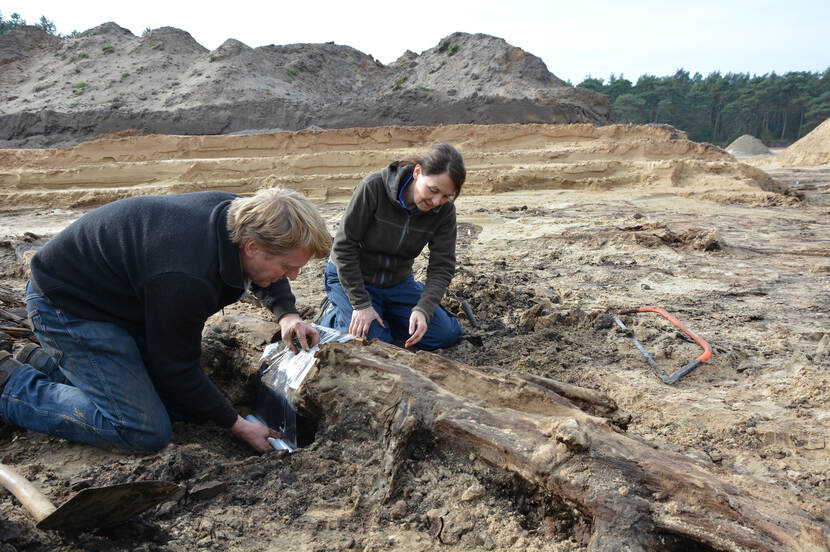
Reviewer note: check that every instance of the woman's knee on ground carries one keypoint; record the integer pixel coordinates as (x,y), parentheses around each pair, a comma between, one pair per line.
(444,331)
(376,331)
(440,342)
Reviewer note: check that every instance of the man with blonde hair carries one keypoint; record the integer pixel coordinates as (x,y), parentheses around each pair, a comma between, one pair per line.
(118,301)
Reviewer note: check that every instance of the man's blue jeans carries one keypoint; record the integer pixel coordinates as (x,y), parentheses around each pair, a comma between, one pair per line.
(393,304)
(95,388)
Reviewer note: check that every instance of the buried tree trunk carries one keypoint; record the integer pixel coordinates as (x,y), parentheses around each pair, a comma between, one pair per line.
(566,440)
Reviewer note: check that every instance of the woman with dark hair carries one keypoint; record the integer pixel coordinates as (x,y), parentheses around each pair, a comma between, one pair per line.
(392,215)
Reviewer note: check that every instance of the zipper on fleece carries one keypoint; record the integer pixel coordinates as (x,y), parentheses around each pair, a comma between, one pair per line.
(403,232)
(385,262)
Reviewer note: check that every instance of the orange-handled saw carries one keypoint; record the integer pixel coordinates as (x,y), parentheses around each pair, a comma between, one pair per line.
(676,375)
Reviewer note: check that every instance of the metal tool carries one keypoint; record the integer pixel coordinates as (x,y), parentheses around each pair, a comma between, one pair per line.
(92,507)
(676,375)
(468,312)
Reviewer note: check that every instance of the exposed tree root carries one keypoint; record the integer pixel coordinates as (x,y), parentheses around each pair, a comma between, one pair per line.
(568,441)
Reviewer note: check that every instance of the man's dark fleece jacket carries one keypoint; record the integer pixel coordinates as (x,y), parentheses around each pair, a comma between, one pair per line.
(378,240)
(158,267)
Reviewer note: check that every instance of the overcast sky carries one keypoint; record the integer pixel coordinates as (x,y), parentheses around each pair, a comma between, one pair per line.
(574,38)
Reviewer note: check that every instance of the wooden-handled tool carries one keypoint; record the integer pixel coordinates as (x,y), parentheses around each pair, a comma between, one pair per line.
(91,507)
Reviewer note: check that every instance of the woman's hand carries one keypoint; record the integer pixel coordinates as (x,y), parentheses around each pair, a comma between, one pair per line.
(291,326)
(417,327)
(361,321)
(254,434)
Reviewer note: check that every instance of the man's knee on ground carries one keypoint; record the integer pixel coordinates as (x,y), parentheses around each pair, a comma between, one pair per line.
(150,439)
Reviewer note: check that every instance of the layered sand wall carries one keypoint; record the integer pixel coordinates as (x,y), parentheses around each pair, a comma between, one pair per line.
(326,165)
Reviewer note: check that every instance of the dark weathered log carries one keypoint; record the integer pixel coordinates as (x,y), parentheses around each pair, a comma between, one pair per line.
(14,318)
(634,492)
(14,330)
(13,300)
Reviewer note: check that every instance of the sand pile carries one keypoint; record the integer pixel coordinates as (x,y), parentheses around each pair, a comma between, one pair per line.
(60,91)
(327,164)
(747,145)
(810,151)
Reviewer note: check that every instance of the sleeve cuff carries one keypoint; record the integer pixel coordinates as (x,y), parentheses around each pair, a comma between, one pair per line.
(424,312)
(280,311)
(227,417)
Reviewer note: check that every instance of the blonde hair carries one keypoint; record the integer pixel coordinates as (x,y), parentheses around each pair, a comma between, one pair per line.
(278,220)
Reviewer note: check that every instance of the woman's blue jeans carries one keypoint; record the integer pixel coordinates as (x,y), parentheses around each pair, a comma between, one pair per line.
(393,304)
(94,389)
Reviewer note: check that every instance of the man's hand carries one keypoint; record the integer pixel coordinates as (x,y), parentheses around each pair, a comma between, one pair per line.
(291,326)
(417,328)
(254,434)
(362,319)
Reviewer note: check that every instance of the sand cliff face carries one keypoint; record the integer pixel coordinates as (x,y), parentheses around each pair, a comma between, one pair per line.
(61,91)
(326,164)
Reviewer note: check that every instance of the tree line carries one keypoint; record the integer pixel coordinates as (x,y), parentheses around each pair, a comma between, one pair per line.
(720,108)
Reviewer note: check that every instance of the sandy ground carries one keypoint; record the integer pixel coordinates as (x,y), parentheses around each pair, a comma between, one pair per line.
(559,226)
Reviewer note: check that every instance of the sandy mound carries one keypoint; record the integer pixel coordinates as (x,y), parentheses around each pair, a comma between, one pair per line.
(499,158)
(810,151)
(62,91)
(747,145)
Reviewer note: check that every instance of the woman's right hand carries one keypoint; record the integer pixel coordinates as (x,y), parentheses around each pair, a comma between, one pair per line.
(362,319)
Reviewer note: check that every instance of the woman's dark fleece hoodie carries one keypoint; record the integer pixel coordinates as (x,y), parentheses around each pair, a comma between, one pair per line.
(378,240)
